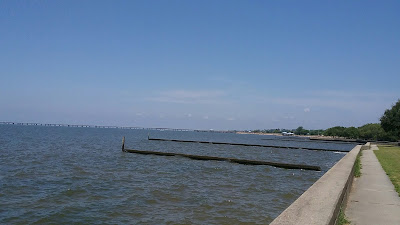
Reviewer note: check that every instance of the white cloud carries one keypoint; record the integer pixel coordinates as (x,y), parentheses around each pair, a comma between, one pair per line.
(352,94)
(306,110)
(289,117)
(230,119)
(205,117)
(333,99)
(192,94)
(190,97)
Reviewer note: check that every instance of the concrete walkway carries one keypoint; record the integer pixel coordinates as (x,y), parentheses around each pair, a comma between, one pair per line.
(373,199)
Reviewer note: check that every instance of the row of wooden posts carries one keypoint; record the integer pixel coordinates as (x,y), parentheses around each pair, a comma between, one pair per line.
(231,160)
(248,145)
(317,140)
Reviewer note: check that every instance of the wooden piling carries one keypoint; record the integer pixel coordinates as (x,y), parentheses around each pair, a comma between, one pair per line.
(355,141)
(249,145)
(231,160)
(308,140)
(123,144)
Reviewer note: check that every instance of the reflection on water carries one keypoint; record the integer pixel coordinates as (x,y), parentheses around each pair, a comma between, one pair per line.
(79,175)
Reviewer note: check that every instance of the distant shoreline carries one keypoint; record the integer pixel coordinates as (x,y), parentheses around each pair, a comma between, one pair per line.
(295,135)
(273,134)
(312,137)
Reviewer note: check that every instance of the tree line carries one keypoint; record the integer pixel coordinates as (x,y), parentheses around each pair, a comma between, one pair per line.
(387,130)
(371,131)
(298,131)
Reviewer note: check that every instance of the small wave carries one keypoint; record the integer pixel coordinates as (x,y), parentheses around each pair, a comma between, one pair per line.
(164,196)
(74,192)
(288,196)
(342,153)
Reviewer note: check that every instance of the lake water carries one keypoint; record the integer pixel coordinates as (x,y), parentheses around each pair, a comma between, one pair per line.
(63,175)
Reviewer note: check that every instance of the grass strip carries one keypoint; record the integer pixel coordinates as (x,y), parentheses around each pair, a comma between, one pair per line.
(389,158)
(358,166)
(342,220)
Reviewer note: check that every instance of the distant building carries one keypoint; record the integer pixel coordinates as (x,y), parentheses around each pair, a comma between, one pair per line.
(287,133)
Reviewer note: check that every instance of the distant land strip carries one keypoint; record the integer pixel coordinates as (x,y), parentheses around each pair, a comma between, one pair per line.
(114,127)
(251,145)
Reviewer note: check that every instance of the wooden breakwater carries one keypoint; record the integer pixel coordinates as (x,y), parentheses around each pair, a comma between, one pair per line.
(231,160)
(339,140)
(249,145)
(309,140)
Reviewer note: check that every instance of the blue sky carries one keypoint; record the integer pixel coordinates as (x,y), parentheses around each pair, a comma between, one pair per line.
(199,64)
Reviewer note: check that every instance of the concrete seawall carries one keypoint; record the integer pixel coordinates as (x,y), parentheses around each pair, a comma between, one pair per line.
(321,203)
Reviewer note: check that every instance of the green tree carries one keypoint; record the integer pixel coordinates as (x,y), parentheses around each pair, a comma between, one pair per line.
(301,131)
(335,131)
(316,132)
(351,132)
(277,131)
(372,131)
(390,120)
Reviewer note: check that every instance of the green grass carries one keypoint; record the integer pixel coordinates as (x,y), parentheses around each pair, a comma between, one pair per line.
(389,157)
(358,166)
(342,220)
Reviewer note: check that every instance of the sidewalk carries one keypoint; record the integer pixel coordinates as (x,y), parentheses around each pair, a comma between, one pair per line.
(372,198)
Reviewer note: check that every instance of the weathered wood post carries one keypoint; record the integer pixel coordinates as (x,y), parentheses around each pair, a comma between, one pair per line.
(123,144)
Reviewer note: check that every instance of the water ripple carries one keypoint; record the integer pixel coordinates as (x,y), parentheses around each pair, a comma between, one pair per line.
(58,175)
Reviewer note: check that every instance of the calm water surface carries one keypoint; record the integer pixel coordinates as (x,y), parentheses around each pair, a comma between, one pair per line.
(54,175)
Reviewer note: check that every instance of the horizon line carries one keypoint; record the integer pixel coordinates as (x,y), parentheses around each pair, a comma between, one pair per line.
(108,126)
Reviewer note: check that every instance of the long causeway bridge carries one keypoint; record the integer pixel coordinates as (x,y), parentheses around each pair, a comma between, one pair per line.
(114,127)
